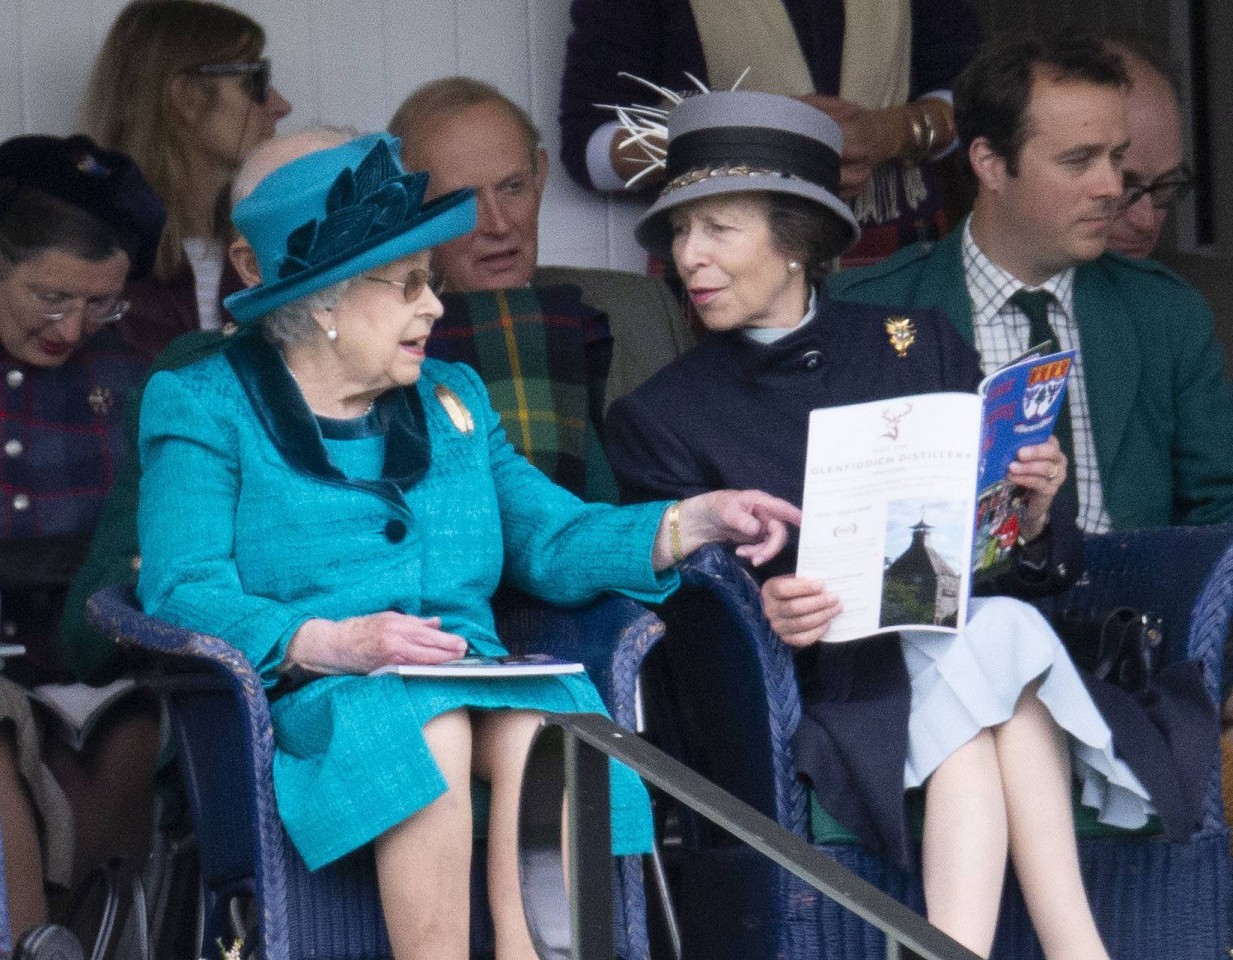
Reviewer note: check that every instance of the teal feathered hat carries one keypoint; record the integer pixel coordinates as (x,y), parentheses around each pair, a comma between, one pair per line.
(334,214)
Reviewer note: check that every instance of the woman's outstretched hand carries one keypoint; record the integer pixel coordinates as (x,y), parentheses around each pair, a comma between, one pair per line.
(755,520)
(362,644)
(799,610)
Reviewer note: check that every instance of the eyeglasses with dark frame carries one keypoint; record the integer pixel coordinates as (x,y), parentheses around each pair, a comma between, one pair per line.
(256,75)
(1163,192)
(417,280)
(99,312)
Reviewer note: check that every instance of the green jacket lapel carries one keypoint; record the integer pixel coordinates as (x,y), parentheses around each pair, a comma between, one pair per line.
(280,408)
(943,285)
(1110,356)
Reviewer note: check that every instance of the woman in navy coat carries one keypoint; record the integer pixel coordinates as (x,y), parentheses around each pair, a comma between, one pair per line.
(991,721)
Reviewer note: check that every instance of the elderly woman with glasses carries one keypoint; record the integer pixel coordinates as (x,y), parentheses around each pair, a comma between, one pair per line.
(182,87)
(354,507)
(76,222)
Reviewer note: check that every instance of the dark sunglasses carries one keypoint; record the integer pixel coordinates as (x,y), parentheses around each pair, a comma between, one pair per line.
(256,76)
(1163,192)
(417,280)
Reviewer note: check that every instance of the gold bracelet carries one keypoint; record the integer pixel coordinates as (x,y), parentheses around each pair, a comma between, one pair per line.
(674,532)
(924,135)
(914,153)
(931,134)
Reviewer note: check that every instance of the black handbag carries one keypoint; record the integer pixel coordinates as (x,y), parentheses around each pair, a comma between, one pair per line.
(1124,647)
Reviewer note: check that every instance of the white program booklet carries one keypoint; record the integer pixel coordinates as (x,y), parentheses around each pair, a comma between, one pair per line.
(525,665)
(905,499)
(76,707)
(884,482)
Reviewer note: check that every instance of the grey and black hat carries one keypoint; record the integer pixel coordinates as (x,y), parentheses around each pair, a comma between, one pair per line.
(735,141)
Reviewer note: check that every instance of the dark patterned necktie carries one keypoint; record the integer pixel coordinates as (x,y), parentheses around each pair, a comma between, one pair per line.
(1035,304)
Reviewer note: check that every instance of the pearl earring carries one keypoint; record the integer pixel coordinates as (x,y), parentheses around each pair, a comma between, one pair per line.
(332,333)
(794,266)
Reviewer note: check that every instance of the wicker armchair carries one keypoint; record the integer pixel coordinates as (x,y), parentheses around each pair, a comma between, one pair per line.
(722,696)
(225,745)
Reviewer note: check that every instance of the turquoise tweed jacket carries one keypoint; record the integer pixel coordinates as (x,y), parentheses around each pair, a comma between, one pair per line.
(247,530)
(1161,402)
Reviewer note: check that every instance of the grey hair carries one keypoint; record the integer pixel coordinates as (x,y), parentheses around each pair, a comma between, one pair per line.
(292,324)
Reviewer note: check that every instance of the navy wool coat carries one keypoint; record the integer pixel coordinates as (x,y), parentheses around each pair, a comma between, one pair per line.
(734,413)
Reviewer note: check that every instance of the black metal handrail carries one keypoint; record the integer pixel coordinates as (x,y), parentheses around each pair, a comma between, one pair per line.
(570,757)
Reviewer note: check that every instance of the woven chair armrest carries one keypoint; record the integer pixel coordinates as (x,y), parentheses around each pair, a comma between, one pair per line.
(609,637)
(716,570)
(1180,573)
(185,661)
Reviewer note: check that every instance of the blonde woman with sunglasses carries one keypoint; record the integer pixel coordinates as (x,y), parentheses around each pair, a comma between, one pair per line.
(182,87)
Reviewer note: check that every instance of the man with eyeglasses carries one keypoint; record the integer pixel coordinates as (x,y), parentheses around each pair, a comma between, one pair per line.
(1153,174)
(1148,423)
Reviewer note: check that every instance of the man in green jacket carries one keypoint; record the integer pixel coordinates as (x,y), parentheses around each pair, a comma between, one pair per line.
(1150,406)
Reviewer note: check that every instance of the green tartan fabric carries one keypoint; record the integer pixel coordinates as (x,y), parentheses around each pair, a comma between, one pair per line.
(544,356)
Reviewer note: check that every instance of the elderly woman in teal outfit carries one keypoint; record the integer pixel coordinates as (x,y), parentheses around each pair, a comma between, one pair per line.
(354,506)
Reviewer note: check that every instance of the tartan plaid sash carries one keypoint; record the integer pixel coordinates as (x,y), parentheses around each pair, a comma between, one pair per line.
(544,356)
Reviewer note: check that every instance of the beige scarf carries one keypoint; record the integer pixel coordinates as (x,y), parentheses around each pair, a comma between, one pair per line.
(877,44)
(877,40)
(757,34)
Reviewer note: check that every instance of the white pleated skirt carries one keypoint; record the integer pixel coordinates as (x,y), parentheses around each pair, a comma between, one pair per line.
(964,683)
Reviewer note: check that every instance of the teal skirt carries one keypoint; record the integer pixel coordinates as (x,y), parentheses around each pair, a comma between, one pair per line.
(351,760)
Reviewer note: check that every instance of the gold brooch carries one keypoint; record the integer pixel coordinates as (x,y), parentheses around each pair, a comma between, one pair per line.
(459,415)
(901,332)
(100,400)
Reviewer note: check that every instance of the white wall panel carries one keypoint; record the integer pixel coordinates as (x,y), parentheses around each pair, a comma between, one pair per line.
(54,36)
(420,44)
(290,31)
(493,43)
(12,76)
(352,88)
(344,62)
(574,228)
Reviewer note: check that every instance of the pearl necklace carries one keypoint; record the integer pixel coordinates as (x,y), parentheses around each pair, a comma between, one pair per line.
(369,410)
